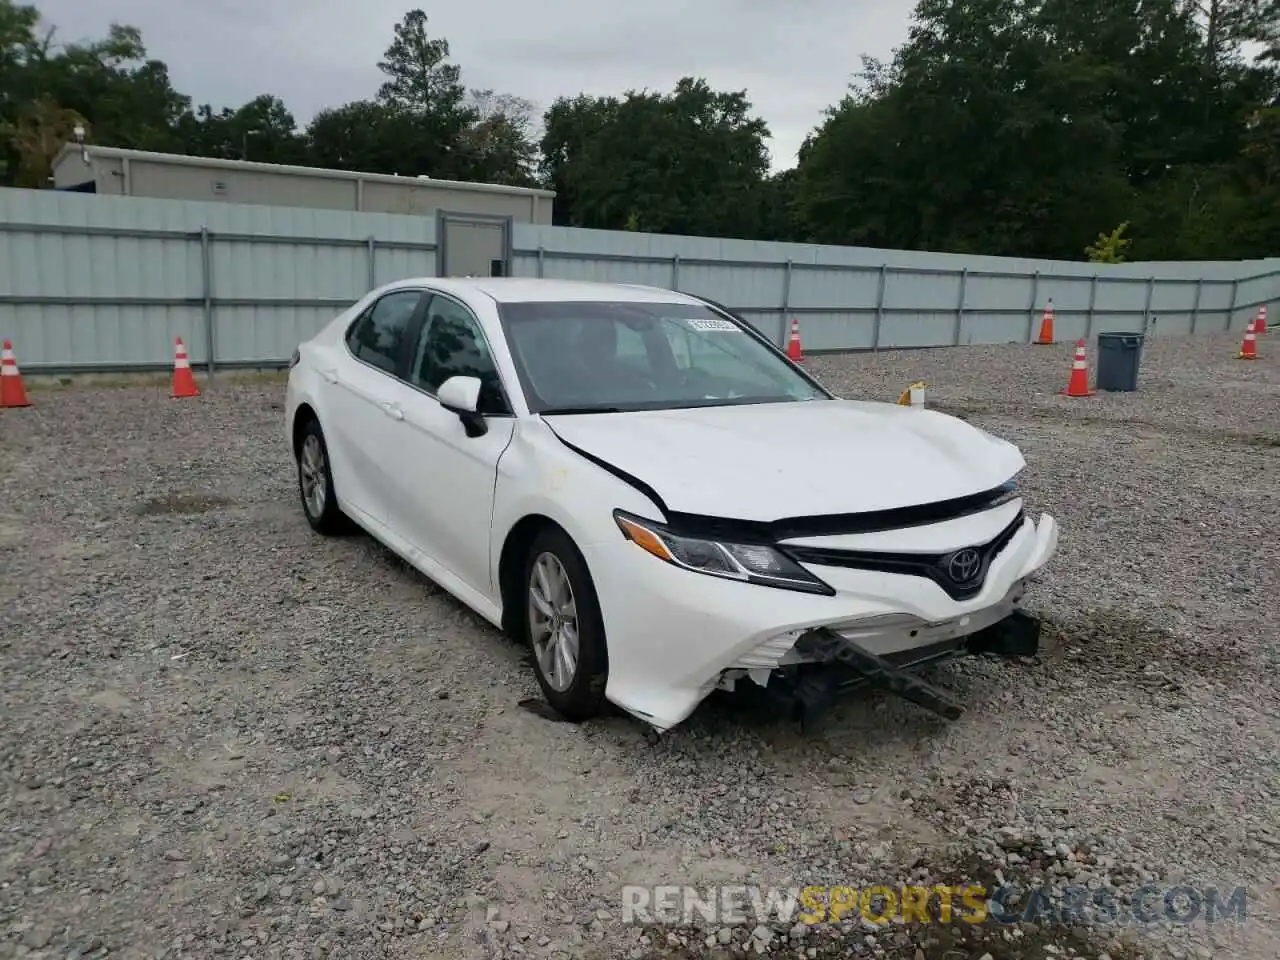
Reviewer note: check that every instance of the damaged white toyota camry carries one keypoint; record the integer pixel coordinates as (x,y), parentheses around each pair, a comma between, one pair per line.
(653,497)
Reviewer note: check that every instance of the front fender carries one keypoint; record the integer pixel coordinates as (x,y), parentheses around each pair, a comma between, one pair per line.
(539,476)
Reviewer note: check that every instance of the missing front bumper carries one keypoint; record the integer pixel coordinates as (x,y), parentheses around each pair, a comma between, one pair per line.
(813,689)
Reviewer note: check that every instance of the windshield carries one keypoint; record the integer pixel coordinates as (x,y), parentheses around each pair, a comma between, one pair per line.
(596,357)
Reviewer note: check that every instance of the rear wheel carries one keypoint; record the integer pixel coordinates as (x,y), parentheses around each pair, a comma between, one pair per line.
(564,627)
(315,482)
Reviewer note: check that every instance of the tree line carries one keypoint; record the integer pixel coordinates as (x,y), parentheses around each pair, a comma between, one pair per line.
(1046,128)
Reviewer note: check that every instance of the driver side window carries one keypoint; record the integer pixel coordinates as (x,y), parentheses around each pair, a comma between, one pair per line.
(452,344)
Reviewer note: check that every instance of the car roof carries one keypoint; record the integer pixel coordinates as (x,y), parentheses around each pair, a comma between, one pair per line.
(529,289)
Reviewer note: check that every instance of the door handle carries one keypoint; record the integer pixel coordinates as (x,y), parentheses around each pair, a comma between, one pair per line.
(392,410)
(330,375)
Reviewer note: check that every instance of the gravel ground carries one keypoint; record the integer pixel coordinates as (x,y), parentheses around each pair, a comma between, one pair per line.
(223,735)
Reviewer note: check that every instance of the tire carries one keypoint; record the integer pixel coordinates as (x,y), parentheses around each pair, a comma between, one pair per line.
(319,503)
(582,697)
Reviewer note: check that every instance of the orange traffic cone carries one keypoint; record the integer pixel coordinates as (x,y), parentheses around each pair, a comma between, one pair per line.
(1078,385)
(1261,326)
(12,393)
(794,353)
(184,384)
(1046,325)
(1249,349)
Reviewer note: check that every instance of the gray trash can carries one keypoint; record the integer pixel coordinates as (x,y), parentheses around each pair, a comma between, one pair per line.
(1119,356)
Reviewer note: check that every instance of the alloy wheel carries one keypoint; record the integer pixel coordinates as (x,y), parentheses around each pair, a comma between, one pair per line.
(311,471)
(553,622)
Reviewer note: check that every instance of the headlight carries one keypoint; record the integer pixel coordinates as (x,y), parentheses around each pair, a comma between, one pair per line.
(749,563)
(293,361)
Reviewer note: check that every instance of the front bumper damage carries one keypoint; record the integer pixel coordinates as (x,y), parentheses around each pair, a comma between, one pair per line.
(835,664)
(674,637)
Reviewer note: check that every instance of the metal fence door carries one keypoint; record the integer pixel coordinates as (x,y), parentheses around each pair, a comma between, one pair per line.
(469,244)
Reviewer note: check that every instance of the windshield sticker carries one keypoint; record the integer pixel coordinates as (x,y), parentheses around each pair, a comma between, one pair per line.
(713,324)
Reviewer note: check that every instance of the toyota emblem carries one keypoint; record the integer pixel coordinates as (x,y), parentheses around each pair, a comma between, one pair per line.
(964,565)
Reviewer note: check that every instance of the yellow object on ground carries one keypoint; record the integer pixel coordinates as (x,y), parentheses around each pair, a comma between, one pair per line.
(913,396)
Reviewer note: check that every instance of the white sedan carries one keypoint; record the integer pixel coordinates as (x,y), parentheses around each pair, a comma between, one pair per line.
(644,489)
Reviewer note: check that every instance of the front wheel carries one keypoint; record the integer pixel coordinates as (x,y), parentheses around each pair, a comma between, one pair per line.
(564,628)
(315,482)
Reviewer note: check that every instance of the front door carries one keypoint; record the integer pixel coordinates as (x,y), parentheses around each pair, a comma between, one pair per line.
(455,474)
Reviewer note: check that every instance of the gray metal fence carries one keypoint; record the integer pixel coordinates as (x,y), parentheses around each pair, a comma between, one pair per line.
(853,298)
(105,283)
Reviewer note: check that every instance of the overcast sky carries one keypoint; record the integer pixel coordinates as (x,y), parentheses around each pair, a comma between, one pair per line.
(794,57)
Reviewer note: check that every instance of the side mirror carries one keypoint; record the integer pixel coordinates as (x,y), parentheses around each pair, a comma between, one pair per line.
(461,395)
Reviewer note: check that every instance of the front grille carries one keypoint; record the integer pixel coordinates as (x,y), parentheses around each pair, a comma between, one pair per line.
(941,568)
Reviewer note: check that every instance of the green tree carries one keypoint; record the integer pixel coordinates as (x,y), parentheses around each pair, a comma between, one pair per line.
(999,126)
(363,135)
(691,161)
(20,47)
(424,122)
(108,86)
(1109,247)
(1014,126)
(419,77)
(569,126)
(263,130)
(1253,217)
(1227,24)
(424,88)
(776,215)
(499,144)
(126,96)
(1264,29)
(36,135)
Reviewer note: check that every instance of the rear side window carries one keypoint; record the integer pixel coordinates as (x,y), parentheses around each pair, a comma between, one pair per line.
(378,336)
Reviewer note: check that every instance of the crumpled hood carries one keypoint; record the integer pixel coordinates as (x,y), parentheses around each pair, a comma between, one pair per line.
(764,462)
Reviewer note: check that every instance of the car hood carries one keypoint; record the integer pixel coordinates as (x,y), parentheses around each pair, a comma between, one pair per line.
(764,462)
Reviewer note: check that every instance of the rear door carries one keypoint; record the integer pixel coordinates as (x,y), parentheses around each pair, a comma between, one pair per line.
(361,409)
